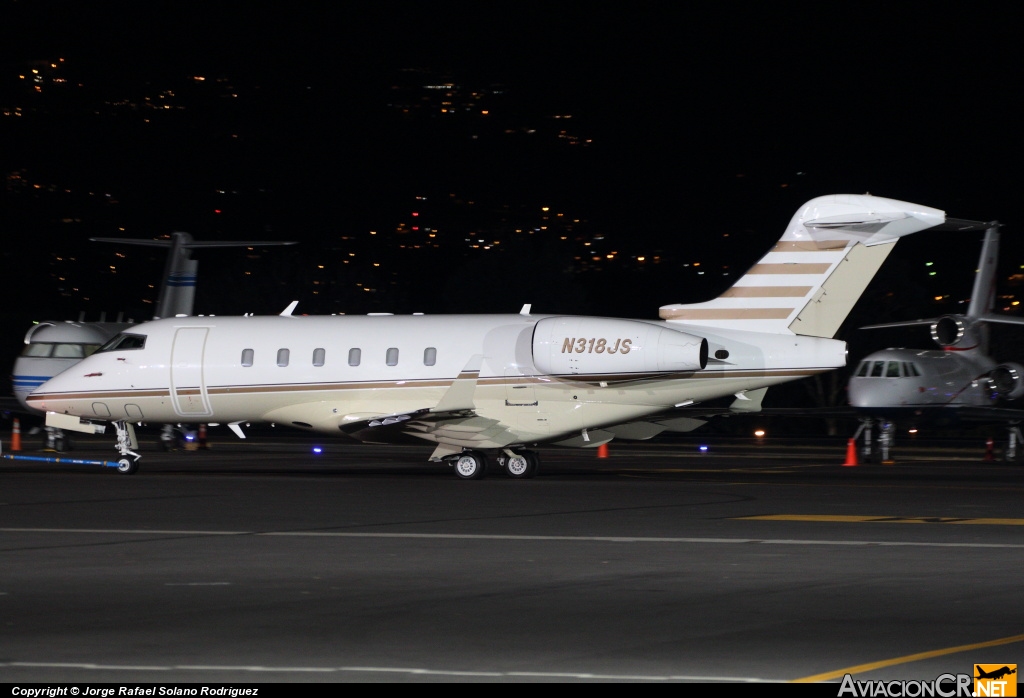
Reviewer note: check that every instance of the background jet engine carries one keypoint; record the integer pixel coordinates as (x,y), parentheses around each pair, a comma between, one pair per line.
(956,331)
(1008,380)
(602,346)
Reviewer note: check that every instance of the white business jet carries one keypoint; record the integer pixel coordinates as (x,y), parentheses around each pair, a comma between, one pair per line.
(958,382)
(469,384)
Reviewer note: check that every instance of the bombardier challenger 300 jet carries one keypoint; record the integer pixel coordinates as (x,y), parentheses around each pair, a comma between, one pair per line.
(472,384)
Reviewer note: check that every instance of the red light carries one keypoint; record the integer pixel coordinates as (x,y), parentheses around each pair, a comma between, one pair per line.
(414,214)
(216,210)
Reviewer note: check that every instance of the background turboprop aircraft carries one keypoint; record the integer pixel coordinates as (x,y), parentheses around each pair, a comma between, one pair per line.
(959,382)
(52,346)
(474,383)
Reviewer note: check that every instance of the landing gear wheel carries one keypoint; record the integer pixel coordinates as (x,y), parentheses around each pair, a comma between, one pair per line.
(521,465)
(127,466)
(470,465)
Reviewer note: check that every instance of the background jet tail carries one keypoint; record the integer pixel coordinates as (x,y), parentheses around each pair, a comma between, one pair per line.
(810,280)
(178,289)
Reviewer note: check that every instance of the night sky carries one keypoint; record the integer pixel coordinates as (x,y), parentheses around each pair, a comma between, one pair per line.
(699,120)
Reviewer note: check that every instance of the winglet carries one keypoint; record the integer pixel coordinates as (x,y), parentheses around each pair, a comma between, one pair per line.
(459,395)
(287,312)
(748,400)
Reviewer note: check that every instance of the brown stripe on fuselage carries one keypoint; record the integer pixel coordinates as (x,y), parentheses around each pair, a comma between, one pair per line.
(409,384)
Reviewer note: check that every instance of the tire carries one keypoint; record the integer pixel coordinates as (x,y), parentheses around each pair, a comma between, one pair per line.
(470,465)
(521,465)
(127,466)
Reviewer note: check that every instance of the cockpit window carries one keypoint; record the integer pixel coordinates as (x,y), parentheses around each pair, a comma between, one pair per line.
(876,370)
(893,370)
(124,342)
(862,370)
(42,350)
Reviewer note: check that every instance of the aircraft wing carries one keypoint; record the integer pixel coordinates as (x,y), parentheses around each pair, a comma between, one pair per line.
(453,424)
(978,413)
(680,419)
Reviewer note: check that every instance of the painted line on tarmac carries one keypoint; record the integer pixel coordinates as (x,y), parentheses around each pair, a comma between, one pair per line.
(383,670)
(503,537)
(906,659)
(844,518)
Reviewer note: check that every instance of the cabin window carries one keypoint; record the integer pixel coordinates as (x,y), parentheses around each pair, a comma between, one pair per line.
(247,355)
(862,370)
(430,356)
(354,355)
(893,370)
(282,357)
(318,357)
(877,369)
(392,356)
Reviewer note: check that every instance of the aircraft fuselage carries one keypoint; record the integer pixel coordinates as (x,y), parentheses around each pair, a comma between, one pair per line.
(898,380)
(535,378)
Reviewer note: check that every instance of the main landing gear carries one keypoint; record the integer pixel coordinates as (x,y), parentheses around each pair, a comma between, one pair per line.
(472,465)
(126,441)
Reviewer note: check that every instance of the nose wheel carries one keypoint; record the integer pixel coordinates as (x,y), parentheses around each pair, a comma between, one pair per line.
(126,441)
(127,466)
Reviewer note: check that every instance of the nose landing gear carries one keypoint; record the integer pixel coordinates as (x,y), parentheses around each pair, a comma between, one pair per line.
(126,441)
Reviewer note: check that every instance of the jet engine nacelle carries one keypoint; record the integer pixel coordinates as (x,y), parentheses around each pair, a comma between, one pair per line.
(1008,380)
(596,346)
(955,331)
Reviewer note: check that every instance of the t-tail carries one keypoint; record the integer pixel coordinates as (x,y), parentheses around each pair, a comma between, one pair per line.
(810,280)
(969,332)
(178,288)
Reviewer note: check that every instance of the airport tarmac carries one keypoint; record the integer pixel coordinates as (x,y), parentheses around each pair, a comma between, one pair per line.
(258,561)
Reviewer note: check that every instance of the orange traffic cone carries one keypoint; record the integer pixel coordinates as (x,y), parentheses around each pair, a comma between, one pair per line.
(851,453)
(989,447)
(16,435)
(602,451)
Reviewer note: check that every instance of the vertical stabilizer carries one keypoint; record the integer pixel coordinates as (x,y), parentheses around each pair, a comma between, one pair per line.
(983,295)
(810,280)
(178,288)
